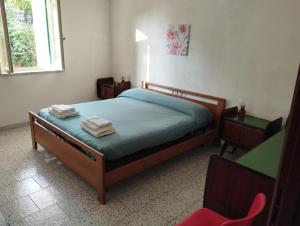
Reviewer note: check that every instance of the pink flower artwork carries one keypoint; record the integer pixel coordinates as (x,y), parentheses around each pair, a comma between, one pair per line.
(178,39)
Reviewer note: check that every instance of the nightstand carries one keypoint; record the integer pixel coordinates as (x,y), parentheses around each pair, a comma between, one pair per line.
(107,88)
(121,87)
(245,132)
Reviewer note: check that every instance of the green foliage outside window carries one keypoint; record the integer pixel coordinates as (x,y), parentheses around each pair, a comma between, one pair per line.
(20,4)
(21,34)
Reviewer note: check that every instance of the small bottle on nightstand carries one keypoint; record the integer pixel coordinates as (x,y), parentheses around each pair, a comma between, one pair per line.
(242,110)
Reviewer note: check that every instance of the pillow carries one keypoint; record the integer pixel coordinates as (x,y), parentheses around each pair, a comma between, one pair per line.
(199,113)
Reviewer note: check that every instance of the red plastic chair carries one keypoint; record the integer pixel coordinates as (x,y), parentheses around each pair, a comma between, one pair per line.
(207,217)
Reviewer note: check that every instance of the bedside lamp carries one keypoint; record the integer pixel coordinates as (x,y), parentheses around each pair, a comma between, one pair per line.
(242,110)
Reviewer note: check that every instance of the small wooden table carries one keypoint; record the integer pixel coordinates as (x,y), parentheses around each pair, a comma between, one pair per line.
(246,132)
(107,88)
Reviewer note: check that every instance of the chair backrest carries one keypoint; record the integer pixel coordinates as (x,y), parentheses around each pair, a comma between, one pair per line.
(256,208)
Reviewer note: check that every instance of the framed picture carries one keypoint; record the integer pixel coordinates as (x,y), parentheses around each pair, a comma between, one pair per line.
(178,36)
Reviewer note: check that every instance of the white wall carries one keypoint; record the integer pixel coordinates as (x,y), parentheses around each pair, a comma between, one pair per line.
(86,26)
(238,49)
(247,49)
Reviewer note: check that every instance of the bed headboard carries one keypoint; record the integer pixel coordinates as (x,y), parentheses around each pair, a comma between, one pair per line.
(215,104)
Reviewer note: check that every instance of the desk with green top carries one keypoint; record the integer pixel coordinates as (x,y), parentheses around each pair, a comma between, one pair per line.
(265,157)
(231,186)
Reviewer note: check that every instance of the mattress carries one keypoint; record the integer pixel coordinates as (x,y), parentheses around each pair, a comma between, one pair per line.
(142,119)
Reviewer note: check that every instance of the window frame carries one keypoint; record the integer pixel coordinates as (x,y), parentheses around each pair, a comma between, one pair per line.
(11,71)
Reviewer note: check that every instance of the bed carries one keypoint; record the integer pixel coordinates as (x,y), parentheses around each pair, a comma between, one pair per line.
(152,125)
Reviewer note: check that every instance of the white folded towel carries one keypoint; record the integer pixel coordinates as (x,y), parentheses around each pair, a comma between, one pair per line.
(62,115)
(61,108)
(98,122)
(100,132)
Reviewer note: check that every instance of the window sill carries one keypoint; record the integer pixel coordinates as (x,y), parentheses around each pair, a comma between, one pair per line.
(32,72)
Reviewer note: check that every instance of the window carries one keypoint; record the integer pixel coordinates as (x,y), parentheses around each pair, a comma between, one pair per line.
(30,36)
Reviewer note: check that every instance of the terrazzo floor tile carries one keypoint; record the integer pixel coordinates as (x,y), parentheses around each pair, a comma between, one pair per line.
(43,181)
(50,175)
(18,222)
(167,206)
(73,222)
(143,217)
(131,195)
(51,215)
(3,222)
(20,189)
(64,194)
(186,172)
(162,195)
(18,208)
(3,197)
(188,193)
(26,173)
(187,212)
(6,177)
(43,198)
(78,203)
(103,215)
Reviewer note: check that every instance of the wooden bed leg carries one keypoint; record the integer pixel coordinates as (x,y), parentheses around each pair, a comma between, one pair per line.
(101,196)
(100,179)
(31,121)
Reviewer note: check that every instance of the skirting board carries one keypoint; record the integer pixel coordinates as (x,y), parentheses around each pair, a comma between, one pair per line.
(14,126)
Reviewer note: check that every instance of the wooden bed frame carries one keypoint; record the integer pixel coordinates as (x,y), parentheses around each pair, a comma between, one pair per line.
(66,147)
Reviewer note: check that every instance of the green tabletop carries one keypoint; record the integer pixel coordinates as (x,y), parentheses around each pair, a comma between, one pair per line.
(250,121)
(265,157)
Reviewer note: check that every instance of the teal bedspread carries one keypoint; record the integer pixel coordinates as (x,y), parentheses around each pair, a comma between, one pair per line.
(141,119)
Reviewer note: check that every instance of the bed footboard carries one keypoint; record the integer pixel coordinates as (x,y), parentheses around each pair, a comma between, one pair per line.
(54,139)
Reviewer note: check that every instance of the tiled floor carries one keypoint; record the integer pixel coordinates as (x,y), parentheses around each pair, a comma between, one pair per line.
(36,189)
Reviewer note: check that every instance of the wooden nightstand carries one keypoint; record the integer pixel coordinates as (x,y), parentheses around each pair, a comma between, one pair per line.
(246,132)
(107,88)
(121,87)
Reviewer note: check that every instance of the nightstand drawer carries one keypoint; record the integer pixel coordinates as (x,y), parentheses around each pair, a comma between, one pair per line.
(232,132)
(251,137)
(241,135)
